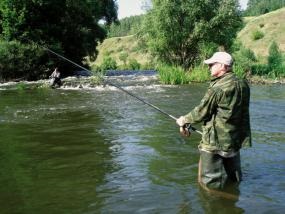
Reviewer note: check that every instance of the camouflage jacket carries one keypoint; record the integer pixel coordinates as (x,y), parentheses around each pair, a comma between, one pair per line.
(224,110)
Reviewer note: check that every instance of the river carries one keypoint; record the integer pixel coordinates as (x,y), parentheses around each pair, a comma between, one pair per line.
(101,151)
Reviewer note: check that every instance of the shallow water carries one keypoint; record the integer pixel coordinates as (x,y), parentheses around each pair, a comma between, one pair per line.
(101,151)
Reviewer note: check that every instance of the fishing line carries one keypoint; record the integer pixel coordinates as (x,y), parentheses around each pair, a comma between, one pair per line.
(116,86)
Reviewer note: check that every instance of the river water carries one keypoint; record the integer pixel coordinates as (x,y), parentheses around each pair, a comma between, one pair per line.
(101,151)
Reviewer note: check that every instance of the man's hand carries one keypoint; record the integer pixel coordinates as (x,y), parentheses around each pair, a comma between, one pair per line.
(184,131)
(181,121)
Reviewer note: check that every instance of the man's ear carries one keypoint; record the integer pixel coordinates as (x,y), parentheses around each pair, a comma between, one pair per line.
(225,67)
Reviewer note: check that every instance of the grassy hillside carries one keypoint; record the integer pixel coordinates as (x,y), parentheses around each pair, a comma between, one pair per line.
(271,25)
(115,46)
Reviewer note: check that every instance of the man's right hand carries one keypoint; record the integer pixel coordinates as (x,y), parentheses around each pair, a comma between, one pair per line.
(184,131)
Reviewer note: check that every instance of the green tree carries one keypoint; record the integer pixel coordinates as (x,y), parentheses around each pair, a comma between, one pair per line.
(133,64)
(108,64)
(244,59)
(19,61)
(258,7)
(174,29)
(275,57)
(69,27)
(123,57)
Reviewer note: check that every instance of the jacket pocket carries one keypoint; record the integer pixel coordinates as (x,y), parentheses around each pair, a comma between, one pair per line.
(210,135)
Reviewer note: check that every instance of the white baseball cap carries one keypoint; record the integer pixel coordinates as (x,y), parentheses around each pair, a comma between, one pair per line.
(220,57)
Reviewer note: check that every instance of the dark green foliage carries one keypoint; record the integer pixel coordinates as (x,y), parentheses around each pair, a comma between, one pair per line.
(275,56)
(19,61)
(256,35)
(108,64)
(123,57)
(126,26)
(259,7)
(244,58)
(274,67)
(173,30)
(275,60)
(133,64)
(68,27)
(206,49)
(259,69)
(172,75)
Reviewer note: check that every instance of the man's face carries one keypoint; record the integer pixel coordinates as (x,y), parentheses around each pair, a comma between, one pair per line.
(217,69)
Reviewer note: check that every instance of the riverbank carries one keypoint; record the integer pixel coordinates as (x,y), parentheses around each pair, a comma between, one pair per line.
(261,80)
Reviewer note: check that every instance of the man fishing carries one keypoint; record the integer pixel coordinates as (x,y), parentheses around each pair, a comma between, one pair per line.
(55,78)
(224,112)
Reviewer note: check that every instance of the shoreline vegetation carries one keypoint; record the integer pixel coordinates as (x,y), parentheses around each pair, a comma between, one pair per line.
(81,82)
(258,52)
(265,70)
(261,80)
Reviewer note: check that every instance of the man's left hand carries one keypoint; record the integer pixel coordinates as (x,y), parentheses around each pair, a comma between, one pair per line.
(181,121)
(184,131)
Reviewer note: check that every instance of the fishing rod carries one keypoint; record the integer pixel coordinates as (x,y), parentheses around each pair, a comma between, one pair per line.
(187,126)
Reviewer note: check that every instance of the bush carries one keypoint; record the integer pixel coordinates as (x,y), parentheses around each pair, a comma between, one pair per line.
(134,65)
(275,61)
(176,75)
(96,69)
(256,35)
(244,60)
(22,61)
(275,57)
(96,80)
(259,69)
(199,74)
(148,66)
(172,75)
(206,50)
(108,64)
(123,57)
(281,71)
(239,71)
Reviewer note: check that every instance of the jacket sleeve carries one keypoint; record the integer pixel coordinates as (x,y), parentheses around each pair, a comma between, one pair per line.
(205,109)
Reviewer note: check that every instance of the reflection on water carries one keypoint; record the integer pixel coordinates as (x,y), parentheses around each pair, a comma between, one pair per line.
(101,151)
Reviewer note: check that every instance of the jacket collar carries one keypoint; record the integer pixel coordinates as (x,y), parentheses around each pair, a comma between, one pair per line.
(224,77)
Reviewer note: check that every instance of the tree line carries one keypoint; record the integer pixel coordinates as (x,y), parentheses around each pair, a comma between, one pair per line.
(259,7)
(126,26)
(68,27)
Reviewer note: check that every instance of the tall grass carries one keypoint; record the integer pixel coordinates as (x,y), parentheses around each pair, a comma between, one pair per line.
(172,75)
(256,35)
(199,74)
(176,75)
(239,71)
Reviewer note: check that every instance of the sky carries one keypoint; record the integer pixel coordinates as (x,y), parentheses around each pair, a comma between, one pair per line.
(133,7)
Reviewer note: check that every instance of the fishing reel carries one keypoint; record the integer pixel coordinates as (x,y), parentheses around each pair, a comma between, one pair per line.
(186,129)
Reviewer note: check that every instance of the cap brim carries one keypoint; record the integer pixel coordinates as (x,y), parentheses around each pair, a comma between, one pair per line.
(209,61)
